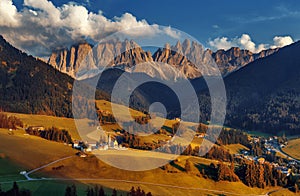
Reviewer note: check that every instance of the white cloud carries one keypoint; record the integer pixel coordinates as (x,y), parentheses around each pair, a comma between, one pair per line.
(221,43)
(282,41)
(169,31)
(41,27)
(245,42)
(8,14)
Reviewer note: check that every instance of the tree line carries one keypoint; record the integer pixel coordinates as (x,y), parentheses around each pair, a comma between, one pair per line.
(9,122)
(15,191)
(231,136)
(99,191)
(251,173)
(72,191)
(52,134)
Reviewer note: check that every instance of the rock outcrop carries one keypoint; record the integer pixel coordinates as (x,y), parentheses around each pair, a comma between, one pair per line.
(235,58)
(181,58)
(69,60)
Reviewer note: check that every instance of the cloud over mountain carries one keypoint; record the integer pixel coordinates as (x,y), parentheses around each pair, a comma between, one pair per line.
(282,41)
(40,27)
(245,42)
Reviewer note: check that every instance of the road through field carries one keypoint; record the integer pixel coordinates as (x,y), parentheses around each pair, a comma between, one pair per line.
(203,190)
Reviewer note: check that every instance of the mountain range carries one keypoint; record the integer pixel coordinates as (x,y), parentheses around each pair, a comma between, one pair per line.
(262,89)
(156,65)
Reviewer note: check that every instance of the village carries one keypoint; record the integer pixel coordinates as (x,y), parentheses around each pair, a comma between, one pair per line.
(103,144)
(266,149)
(271,150)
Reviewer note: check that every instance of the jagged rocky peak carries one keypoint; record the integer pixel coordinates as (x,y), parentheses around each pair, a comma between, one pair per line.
(131,54)
(189,58)
(177,47)
(235,58)
(69,60)
(127,54)
(184,57)
(111,53)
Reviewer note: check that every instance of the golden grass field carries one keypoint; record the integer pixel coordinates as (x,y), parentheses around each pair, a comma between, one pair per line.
(30,152)
(235,148)
(293,148)
(48,122)
(69,124)
(26,150)
(123,110)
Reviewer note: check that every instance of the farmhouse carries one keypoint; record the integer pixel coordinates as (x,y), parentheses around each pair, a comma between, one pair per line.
(36,128)
(91,147)
(81,154)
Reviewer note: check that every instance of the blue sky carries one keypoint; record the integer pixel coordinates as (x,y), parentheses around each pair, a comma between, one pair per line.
(205,20)
(261,19)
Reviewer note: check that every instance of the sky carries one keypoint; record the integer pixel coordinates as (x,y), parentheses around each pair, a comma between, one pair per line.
(40,26)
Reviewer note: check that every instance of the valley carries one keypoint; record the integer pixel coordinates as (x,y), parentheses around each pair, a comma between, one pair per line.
(90,170)
(92,107)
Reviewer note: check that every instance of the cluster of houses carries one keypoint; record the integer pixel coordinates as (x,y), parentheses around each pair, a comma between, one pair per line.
(109,144)
(270,145)
(272,142)
(246,155)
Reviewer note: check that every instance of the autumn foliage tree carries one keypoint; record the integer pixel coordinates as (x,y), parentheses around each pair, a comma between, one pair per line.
(10,122)
(53,134)
(188,166)
(261,175)
(225,173)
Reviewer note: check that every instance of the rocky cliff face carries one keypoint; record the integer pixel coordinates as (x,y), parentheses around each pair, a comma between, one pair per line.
(132,58)
(184,57)
(68,60)
(235,58)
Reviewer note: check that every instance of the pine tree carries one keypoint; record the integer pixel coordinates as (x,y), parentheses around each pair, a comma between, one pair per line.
(15,189)
(261,179)
(268,175)
(101,192)
(92,193)
(132,191)
(96,190)
(221,172)
(248,176)
(114,193)
(188,150)
(89,192)
(73,190)
(68,191)
(188,166)
(138,192)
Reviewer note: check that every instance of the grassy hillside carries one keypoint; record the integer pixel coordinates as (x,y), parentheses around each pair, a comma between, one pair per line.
(107,106)
(235,148)
(69,124)
(293,148)
(27,150)
(48,122)
(21,150)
